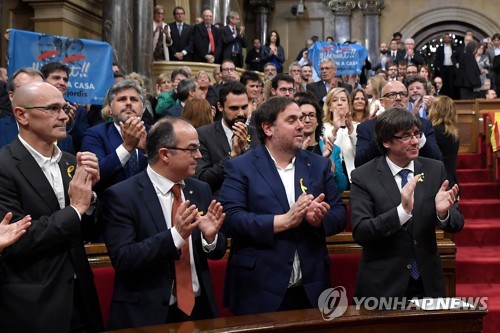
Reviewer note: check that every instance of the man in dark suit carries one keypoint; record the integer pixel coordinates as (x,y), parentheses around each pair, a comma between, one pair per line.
(394,95)
(46,284)
(394,52)
(410,55)
(444,66)
(153,238)
(226,138)
(328,69)
(281,203)
(228,74)
(397,200)
(233,39)
(207,47)
(119,145)
(182,41)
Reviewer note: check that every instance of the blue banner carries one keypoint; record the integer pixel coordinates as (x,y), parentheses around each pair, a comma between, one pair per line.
(90,62)
(350,58)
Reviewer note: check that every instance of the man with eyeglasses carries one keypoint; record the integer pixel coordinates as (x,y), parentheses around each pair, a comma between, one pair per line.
(9,129)
(120,144)
(55,189)
(397,200)
(283,85)
(226,138)
(228,74)
(328,81)
(394,95)
(161,227)
(57,74)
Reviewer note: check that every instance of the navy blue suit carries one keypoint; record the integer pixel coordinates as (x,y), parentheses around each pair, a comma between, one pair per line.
(9,131)
(102,140)
(366,146)
(143,253)
(175,111)
(260,262)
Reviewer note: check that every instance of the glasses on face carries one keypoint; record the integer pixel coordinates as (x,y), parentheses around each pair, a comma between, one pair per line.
(325,68)
(285,90)
(228,69)
(311,116)
(411,72)
(393,95)
(408,137)
(190,150)
(52,109)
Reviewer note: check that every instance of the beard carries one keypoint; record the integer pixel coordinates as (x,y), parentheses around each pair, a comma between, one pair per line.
(238,119)
(384,51)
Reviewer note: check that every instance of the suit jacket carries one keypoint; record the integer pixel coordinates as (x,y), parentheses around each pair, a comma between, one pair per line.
(37,284)
(366,144)
(5,105)
(9,131)
(102,140)
(399,56)
(260,262)
(201,43)
(439,60)
(215,152)
(228,41)
(175,111)
(319,89)
(416,59)
(388,247)
(143,253)
(181,42)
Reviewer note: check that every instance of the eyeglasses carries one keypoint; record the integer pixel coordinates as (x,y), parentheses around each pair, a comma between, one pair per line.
(228,69)
(408,137)
(192,150)
(52,109)
(285,90)
(393,95)
(311,116)
(325,68)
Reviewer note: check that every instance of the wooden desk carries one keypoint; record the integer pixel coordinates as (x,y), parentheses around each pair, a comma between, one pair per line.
(353,321)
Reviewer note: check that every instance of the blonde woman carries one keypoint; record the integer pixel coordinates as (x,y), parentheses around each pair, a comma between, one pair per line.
(443,115)
(374,89)
(338,124)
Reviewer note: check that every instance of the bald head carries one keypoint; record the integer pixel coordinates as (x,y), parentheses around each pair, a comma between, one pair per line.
(34,93)
(392,95)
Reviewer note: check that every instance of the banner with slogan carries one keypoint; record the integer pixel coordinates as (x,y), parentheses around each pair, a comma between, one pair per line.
(350,58)
(90,62)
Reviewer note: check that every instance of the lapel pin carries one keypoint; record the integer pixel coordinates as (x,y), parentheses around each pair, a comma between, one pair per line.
(190,192)
(302,186)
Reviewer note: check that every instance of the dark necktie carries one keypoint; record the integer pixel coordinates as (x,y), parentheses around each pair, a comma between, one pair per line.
(133,163)
(179,27)
(183,285)
(415,274)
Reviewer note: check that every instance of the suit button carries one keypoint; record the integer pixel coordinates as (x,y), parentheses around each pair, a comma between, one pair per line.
(408,266)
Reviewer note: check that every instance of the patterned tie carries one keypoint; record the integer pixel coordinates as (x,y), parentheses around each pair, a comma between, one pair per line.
(415,274)
(133,163)
(183,284)
(179,27)
(211,39)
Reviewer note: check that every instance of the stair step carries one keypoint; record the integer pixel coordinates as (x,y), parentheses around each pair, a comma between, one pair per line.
(491,322)
(480,208)
(478,264)
(469,161)
(473,176)
(479,190)
(479,232)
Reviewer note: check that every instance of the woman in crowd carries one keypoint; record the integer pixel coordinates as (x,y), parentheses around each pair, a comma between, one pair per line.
(273,52)
(443,116)
(483,61)
(339,125)
(360,106)
(168,99)
(198,112)
(374,89)
(316,143)
(468,76)
(425,72)
(203,81)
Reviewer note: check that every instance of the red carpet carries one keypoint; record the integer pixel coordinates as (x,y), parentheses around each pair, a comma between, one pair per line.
(478,253)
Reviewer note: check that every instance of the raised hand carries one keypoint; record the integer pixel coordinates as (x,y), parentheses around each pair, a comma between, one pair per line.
(211,222)
(185,219)
(316,211)
(445,199)
(11,232)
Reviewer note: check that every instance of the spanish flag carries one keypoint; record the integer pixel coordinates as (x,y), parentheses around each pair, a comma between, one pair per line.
(495,131)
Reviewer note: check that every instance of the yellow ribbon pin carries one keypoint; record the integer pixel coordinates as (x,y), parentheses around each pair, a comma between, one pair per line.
(302,187)
(69,170)
(421,179)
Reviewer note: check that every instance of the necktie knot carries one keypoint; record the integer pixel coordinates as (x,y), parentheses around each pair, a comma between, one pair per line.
(176,191)
(404,176)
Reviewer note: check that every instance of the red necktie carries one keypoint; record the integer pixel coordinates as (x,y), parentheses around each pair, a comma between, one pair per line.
(211,38)
(183,284)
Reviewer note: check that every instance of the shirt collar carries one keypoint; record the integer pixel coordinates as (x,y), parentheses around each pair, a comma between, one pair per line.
(162,184)
(39,158)
(395,168)
(288,167)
